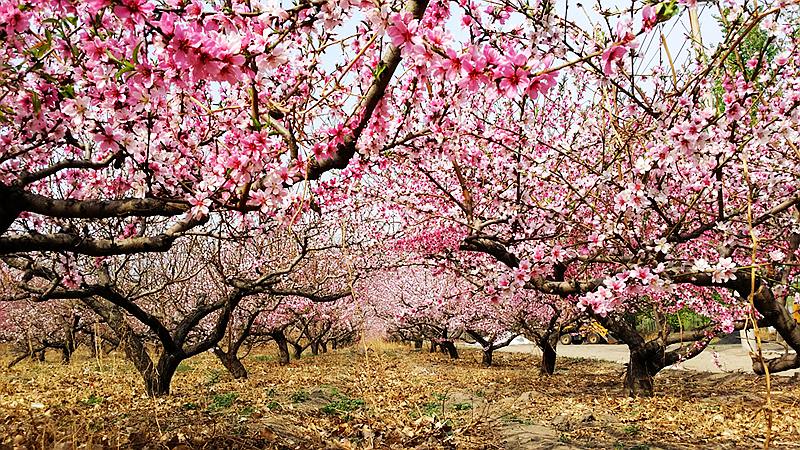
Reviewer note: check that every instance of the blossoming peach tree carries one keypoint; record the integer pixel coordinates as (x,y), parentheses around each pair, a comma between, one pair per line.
(623,185)
(152,115)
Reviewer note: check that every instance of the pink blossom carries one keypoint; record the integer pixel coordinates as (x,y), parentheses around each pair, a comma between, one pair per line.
(452,65)
(776,255)
(624,31)
(200,206)
(649,19)
(403,29)
(513,81)
(107,139)
(724,271)
(14,20)
(611,57)
(133,9)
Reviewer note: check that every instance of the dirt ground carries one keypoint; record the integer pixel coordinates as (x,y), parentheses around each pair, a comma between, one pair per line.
(387,397)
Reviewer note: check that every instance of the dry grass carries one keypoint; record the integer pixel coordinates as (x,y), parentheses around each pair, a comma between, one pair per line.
(389,397)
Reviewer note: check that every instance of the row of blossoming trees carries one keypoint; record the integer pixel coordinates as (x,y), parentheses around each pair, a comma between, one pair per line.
(204,295)
(191,170)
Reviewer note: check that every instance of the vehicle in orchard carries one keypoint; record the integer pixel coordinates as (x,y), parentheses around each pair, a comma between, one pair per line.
(590,332)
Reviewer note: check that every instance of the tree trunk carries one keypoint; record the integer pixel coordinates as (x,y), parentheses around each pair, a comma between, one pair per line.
(298,350)
(283,352)
(94,343)
(157,383)
(66,354)
(547,345)
(433,347)
(643,366)
(418,343)
(231,362)
(315,348)
(323,346)
(778,316)
(450,348)
(646,358)
(20,357)
(133,346)
(334,344)
(16,360)
(40,355)
(486,361)
(107,346)
(283,347)
(69,342)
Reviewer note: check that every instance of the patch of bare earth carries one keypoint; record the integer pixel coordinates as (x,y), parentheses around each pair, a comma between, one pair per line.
(389,397)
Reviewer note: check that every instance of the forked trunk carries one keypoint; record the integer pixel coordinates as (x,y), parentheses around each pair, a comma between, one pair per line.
(283,347)
(66,354)
(643,366)
(157,383)
(133,346)
(486,361)
(298,351)
(231,362)
(450,348)
(17,359)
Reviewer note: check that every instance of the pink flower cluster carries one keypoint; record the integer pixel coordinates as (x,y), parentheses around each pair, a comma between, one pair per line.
(204,53)
(513,74)
(615,290)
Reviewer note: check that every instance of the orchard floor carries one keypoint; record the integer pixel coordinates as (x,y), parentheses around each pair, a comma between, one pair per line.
(390,397)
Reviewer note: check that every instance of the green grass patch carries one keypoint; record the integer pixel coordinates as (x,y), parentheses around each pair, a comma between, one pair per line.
(513,418)
(342,406)
(273,405)
(222,401)
(247,411)
(299,396)
(92,400)
(464,406)
(631,430)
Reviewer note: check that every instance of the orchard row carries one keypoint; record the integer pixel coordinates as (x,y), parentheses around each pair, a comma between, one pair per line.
(201,173)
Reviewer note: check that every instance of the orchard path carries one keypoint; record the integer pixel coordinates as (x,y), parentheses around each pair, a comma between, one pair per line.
(732,357)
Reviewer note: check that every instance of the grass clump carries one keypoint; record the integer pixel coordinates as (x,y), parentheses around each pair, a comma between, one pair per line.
(222,401)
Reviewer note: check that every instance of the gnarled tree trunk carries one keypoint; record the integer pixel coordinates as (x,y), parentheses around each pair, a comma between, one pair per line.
(645,363)
(230,360)
(283,346)
(451,349)
(66,354)
(547,344)
(486,360)
(133,346)
(158,383)
(297,350)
